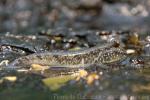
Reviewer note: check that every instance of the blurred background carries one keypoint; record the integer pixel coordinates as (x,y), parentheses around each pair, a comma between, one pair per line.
(33,16)
(53,25)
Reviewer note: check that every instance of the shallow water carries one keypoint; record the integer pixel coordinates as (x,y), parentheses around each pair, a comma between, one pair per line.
(43,25)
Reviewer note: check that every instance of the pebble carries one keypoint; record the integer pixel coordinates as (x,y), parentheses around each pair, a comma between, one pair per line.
(148,39)
(130,51)
(146,49)
(10,78)
(123,97)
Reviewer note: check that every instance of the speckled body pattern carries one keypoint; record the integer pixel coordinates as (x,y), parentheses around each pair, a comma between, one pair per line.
(95,55)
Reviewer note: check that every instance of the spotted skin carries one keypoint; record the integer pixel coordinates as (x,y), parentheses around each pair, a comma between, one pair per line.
(96,55)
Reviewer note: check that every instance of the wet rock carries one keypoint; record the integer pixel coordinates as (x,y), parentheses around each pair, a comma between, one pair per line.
(83,4)
(29,44)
